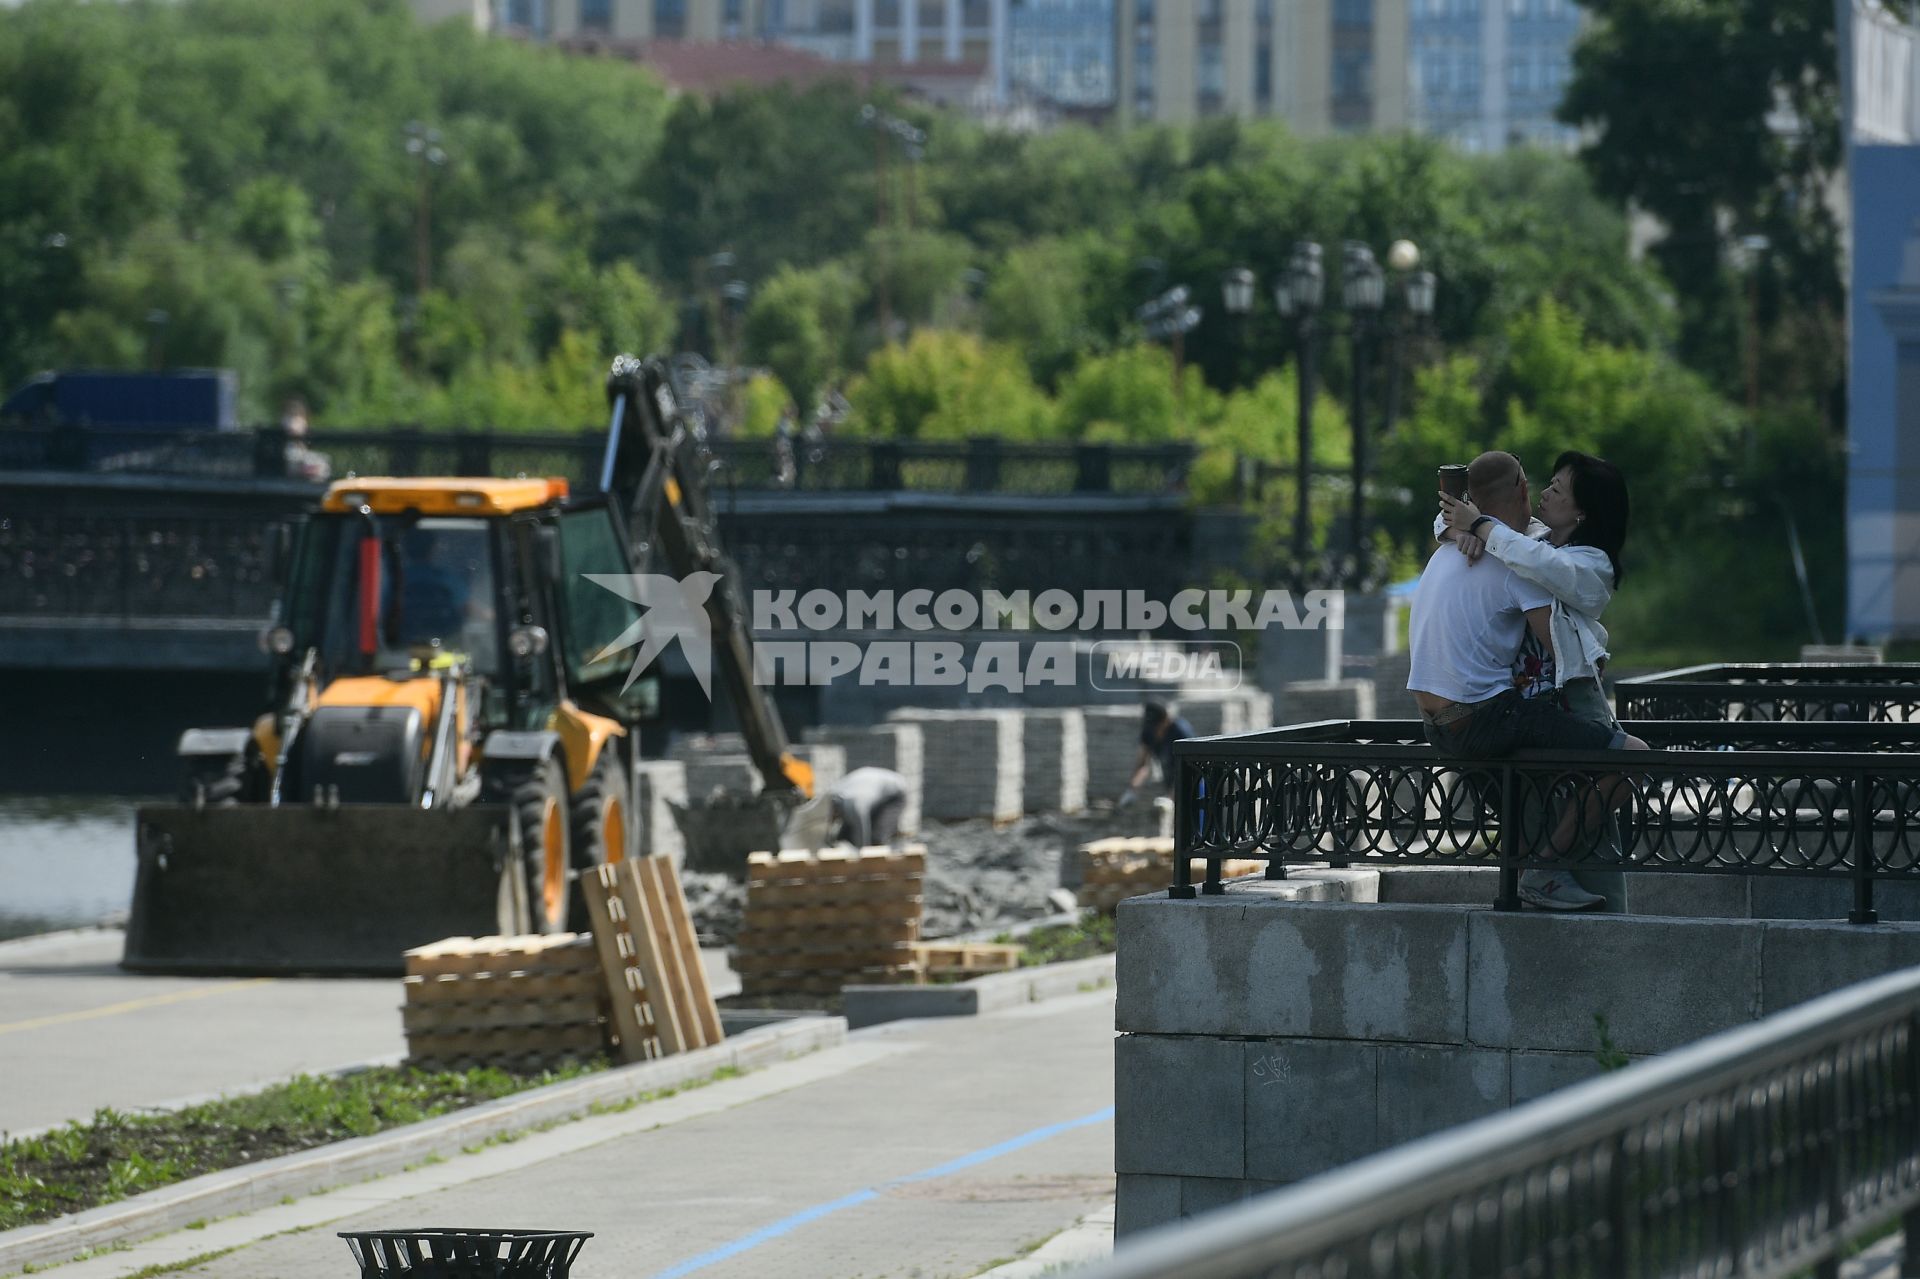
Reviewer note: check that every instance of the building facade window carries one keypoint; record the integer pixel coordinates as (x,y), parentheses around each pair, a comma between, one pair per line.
(596,15)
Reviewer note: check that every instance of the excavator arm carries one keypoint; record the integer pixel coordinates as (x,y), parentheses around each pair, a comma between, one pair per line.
(654,474)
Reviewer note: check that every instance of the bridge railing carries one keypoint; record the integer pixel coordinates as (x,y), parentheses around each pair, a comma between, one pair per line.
(1804,691)
(1764,1151)
(985,465)
(1821,800)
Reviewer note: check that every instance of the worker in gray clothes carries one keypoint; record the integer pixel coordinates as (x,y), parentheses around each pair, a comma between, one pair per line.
(863,809)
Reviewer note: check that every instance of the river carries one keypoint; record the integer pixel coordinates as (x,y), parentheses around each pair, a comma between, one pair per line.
(66,861)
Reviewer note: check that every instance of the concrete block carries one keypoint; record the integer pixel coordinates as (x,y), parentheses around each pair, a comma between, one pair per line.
(1144,1200)
(1259,712)
(1675,893)
(1536,980)
(1179,1106)
(1113,743)
(1423,1090)
(1250,963)
(972,762)
(1310,1106)
(1534,1075)
(1783,898)
(1206,1194)
(662,783)
(1304,703)
(1055,751)
(1439,885)
(1802,960)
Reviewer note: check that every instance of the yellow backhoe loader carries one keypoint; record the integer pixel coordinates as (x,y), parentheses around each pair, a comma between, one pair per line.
(455,714)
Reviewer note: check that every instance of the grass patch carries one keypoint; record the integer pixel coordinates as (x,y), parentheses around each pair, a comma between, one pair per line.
(114,1155)
(1092,935)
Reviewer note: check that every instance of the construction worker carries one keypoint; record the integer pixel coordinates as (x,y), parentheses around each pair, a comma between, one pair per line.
(863,809)
(1159,730)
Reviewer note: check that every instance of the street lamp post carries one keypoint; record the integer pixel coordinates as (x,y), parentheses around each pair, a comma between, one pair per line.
(1362,290)
(1297,296)
(423,144)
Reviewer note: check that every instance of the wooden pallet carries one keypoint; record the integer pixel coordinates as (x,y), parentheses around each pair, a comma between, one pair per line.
(527,1002)
(817,921)
(1112,870)
(650,959)
(966,959)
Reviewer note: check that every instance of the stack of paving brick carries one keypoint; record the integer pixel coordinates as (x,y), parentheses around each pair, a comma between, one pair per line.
(828,761)
(1055,749)
(1113,744)
(522,1002)
(1112,870)
(818,921)
(728,774)
(891,746)
(973,762)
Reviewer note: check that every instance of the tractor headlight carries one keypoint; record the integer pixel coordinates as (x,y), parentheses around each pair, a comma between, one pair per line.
(277,640)
(526,641)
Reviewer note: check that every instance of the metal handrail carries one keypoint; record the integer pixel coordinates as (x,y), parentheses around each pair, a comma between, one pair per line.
(1758,1151)
(1775,691)
(987,464)
(1837,800)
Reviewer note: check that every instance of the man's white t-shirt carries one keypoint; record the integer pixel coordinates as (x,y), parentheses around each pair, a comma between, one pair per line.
(1468,620)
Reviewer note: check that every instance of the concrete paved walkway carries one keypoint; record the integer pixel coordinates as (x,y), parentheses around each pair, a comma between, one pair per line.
(927,1149)
(77,1034)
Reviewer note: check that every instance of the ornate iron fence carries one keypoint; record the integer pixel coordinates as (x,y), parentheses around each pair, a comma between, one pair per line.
(1774,691)
(1823,800)
(1762,1151)
(986,465)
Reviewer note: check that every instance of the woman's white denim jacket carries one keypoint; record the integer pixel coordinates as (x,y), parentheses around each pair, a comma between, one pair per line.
(1580,579)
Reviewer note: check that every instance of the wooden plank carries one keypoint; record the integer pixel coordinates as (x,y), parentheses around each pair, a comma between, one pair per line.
(482,988)
(601,897)
(968,956)
(871,932)
(800,961)
(651,960)
(539,1043)
(705,1012)
(673,963)
(834,894)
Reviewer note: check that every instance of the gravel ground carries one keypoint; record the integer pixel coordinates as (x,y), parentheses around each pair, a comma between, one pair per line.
(979,875)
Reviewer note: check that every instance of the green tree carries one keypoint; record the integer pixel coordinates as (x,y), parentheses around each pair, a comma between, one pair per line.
(1680,99)
(799,325)
(942,385)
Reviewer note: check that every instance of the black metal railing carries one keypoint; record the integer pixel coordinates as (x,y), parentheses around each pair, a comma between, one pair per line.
(1829,800)
(985,465)
(1764,1151)
(1774,691)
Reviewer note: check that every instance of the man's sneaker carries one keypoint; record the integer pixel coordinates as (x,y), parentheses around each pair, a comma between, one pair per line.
(1555,890)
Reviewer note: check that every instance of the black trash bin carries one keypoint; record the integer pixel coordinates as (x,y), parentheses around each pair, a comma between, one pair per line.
(465,1254)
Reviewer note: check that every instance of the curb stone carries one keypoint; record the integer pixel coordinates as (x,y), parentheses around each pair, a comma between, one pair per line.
(871,1005)
(252,1186)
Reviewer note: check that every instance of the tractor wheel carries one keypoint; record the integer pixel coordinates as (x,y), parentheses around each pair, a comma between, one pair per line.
(540,802)
(601,811)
